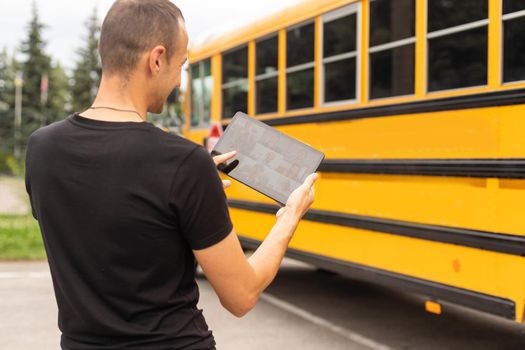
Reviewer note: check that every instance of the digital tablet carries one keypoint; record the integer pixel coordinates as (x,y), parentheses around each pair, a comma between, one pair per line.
(267,160)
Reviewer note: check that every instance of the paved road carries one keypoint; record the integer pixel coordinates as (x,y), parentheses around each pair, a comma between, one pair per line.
(303,309)
(393,318)
(28,317)
(13,197)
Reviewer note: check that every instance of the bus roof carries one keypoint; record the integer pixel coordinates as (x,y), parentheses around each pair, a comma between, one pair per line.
(229,38)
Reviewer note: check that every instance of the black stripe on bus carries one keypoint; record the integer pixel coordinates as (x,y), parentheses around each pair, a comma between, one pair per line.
(485,168)
(492,241)
(432,290)
(488,99)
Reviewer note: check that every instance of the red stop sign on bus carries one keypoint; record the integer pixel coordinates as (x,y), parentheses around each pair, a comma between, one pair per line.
(214,136)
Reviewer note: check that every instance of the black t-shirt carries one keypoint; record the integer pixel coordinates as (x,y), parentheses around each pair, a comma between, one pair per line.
(120,206)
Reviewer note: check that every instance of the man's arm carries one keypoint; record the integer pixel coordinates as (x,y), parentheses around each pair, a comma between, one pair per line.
(239,281)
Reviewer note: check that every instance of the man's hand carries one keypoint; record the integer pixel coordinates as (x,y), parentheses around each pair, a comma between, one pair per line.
(300,200)
(221,158)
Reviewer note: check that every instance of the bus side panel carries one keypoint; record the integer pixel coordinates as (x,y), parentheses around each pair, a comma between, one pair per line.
(463,267)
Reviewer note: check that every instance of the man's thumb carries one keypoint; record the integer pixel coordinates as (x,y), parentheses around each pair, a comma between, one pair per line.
(310,180)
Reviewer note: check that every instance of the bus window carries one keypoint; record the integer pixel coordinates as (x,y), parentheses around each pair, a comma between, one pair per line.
(266,75)
(392,48)
(300,66)
(513,43)
(201,88)
(235,82)
(510,6)
(457,44)
(340,54)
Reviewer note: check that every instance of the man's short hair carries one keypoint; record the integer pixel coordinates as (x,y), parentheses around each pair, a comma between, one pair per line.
(132,27)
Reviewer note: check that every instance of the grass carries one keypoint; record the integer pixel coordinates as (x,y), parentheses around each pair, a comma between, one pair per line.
(20,238)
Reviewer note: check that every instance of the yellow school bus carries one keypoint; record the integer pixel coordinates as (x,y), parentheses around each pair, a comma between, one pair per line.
(419,106)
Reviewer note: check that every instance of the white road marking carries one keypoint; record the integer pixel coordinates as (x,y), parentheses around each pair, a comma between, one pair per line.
(319,321)
(28,274)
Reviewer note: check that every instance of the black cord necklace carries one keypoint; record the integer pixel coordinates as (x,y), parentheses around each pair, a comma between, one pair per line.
(118,110)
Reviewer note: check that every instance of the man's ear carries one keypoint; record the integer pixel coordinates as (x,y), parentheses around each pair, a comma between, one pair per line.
(156,56)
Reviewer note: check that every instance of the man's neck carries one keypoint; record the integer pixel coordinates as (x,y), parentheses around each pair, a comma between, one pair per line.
(121,99)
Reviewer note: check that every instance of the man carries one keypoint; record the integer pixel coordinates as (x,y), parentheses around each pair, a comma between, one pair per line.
(125,208)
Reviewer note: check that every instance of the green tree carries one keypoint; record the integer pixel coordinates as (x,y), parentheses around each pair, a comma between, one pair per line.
(8,67)
(36,65)
(86,75)
(59,98)
(7,93)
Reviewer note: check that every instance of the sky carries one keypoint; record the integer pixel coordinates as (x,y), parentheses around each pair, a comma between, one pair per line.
(65,20)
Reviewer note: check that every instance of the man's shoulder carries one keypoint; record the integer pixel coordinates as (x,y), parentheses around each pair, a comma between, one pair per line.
(166,139)
(192,156)
(48,130)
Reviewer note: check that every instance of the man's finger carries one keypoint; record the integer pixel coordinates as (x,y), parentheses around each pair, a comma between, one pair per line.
(226,183)
(221,158)
(310,180)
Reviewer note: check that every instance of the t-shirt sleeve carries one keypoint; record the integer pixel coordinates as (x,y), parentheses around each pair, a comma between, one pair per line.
(198,199)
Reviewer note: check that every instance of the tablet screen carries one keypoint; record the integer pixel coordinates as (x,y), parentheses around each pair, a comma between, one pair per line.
(267,160)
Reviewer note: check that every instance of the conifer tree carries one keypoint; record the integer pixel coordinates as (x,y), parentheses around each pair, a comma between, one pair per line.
(8,67)
(59,99)
(36,65)
(86,75)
